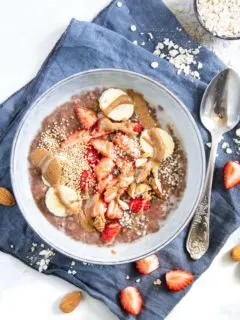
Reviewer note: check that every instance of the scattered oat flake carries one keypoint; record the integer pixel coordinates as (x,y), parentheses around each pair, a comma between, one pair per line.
(46,256)
(119,4)
(135,42)
(225,145)
(138,280)
(73,263)
(157,282)
(229,150)
(154,64)
(143,43)
(127,277)
(113,252)
(12,246)
(238,132)
(209,144)
(133,27)
(150,35)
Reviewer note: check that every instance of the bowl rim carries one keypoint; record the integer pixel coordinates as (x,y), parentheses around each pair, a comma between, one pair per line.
(191,120)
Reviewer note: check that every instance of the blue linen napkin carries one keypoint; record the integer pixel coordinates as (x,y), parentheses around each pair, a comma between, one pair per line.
(107,43)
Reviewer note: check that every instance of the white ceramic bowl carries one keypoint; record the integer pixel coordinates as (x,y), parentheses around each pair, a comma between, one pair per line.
(176,113)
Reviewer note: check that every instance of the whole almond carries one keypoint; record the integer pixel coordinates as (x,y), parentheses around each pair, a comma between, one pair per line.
(6,198)
(235,253)
(70,301)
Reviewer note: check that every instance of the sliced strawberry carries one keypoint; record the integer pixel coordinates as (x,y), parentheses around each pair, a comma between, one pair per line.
(231,174)
(86,117)
(110,231)
(147,265)
(138,127)
(110,194)
(104,168)
(127,145)
(87,181)
(131,300)
(101,128)
(77,136)
(138,204)
(124,165)
(92,156)
(177,280)
(114,211)
(105,147)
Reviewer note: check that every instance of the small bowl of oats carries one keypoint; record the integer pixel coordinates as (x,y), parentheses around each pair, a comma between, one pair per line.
(219,17)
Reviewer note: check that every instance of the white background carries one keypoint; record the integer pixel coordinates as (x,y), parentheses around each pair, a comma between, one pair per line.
(28,31)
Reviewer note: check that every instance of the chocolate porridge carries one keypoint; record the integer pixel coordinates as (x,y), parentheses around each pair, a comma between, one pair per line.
(103,170)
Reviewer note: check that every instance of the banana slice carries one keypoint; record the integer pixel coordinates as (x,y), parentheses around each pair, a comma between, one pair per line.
(59,201)
(46,183)
(54,205)
(157,143)
(116,104)
(145,143)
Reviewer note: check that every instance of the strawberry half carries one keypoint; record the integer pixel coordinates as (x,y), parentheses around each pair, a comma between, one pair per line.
(76,136)
(131,300)
(138,204)
(92,156)
(87,181)
(110,231)
(86,117)
(178,280)
(138,128)
(106,148)
(104,168)
(114,211)
(147,265)
(231,174)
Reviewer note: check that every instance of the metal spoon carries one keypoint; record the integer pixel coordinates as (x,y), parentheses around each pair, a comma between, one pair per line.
(219,112)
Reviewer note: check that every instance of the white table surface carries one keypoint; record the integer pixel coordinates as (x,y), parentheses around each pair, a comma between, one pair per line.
(28,30)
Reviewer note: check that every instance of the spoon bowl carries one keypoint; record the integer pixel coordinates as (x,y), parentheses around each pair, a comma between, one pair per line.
(220,105)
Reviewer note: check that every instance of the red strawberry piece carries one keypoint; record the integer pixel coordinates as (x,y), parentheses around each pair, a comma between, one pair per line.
(110,181)
(86,117)
(147,265)
(138,204)
(131,300)
(87,180)
(76,136)
(110,231)
(92,156)
(127,145)
(114,211)
(110,194)
(138,128)
(106,148)
(231,174)
(177,280)
(104,168)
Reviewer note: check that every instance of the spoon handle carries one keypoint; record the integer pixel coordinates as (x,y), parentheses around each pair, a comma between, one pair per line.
(198,236)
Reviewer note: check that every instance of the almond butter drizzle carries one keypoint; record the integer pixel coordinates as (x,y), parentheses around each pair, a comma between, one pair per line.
(159,147)
(141,108)
(123,99)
